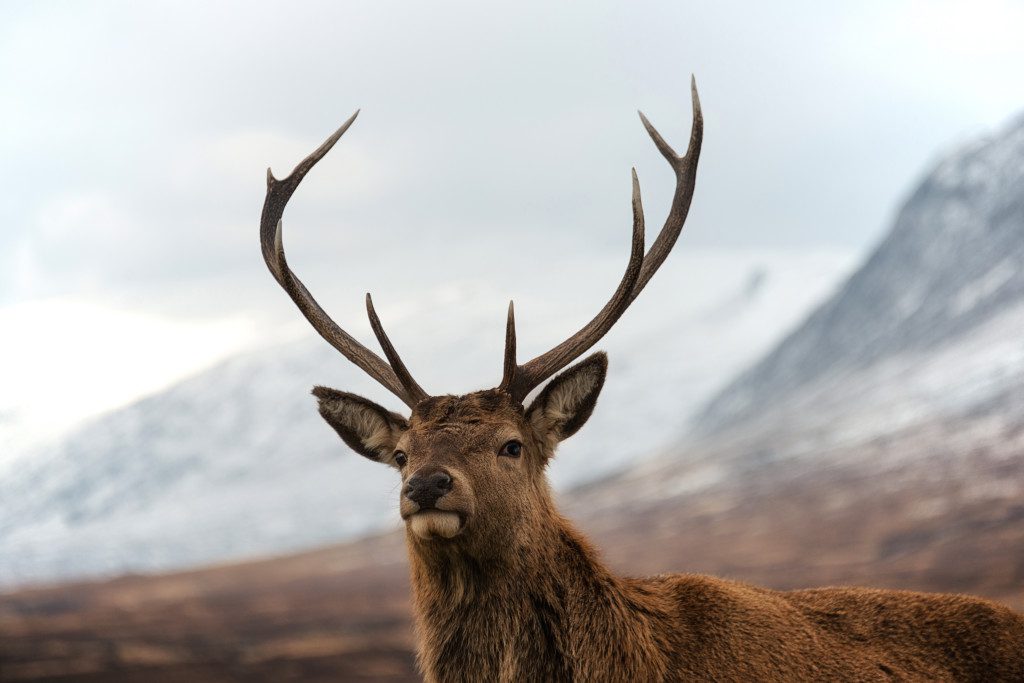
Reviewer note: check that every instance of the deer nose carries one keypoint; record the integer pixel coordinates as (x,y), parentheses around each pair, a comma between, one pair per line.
(425,489)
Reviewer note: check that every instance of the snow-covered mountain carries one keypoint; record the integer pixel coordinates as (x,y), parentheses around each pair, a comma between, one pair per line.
(236,462)
(882,442)
(951,267)
(906,386)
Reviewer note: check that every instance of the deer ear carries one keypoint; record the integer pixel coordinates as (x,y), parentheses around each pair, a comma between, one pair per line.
(567,401)
(368,429)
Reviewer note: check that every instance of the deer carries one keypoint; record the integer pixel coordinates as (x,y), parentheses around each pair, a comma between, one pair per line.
(504,588)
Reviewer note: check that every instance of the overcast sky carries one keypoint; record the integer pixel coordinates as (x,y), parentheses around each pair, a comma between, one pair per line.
(135,138)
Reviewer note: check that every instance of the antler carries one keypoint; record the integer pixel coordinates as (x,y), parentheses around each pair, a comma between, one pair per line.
(394,377)
(519,380)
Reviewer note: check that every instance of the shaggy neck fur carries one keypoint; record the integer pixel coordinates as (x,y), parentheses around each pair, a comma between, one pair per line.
(530,612)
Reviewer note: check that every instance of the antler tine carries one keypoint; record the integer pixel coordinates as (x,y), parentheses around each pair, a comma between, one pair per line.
(278,194)
(528,376)
(640,269)
(509,369)
(412,389)
(685,168)
(280,191)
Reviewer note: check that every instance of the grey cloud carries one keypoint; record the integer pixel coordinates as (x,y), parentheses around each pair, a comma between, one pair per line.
(511,127)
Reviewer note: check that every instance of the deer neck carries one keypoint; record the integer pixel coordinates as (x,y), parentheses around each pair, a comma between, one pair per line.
(526,612)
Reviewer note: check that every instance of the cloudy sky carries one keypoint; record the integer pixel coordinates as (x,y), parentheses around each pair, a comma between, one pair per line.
(495,139)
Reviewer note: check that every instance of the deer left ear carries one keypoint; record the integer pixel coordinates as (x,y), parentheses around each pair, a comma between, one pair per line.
(567,401)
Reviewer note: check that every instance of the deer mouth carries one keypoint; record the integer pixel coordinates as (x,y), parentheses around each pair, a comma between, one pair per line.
(431,524)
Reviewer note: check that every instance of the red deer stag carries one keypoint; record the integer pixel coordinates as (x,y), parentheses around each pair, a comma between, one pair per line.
(506,589)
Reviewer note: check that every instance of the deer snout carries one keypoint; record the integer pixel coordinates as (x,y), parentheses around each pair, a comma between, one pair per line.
(424,489)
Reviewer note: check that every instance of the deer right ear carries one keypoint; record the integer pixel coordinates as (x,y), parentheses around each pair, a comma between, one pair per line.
(367,428)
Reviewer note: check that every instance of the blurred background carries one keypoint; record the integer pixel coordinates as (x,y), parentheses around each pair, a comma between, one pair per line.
(824,384)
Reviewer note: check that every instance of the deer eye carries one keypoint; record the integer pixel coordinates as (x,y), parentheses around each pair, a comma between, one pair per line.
(512,449)
(400,458)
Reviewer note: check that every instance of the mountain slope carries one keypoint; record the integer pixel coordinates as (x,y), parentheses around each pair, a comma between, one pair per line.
(953,260)
(886,431)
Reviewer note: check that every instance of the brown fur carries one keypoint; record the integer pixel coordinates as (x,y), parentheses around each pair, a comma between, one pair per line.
(520,595)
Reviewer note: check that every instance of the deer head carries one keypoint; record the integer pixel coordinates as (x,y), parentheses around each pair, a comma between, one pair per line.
(473,466)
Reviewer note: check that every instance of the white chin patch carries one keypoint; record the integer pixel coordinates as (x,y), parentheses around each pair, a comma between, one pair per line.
(433,523)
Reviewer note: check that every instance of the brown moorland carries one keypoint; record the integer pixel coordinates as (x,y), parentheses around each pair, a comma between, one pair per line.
(951,522)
